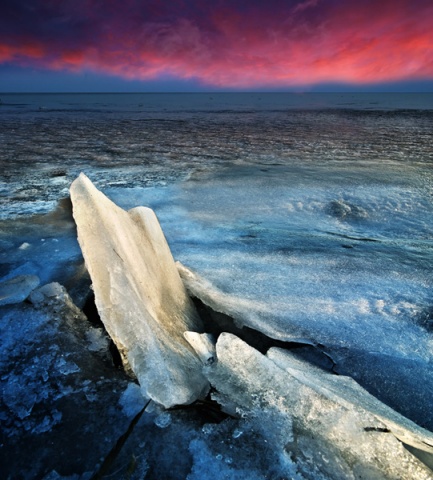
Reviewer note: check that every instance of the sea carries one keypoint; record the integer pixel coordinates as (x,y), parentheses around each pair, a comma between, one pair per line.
(311,212)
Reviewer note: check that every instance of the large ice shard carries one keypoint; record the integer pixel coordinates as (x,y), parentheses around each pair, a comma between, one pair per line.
(139,294)
(327,434)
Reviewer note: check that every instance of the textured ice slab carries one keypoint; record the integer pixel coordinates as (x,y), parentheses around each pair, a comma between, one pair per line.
(341,439)
(63,405)
(387,374)
(245,312)
(139,294)
(17,289)
(345,391)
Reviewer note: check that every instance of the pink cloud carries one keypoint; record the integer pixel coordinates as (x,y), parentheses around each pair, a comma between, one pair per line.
(232,44)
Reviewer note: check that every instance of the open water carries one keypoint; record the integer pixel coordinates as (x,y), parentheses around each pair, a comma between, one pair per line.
(311,212)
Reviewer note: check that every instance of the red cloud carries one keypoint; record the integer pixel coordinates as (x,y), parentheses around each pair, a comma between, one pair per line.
(229,44)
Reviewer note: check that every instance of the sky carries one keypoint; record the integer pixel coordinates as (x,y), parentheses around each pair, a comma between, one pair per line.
(213,45)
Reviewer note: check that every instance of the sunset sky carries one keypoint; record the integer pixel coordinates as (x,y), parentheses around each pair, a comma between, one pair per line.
(211,45)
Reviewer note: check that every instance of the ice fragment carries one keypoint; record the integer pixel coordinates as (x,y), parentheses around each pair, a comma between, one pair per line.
(132,401)
(17,289)
(163,420)
(203,344)
(311,426)
(139,295)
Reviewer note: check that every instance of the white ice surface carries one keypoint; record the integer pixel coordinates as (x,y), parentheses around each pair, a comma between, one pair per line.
(139,295)
(273,245)
(323,433)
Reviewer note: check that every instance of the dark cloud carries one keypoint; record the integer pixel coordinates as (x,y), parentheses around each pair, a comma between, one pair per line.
(224,43)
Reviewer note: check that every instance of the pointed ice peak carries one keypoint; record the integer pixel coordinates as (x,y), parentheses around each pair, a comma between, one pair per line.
(139,294)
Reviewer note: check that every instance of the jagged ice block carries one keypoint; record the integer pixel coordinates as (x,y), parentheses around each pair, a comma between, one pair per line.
(139,295)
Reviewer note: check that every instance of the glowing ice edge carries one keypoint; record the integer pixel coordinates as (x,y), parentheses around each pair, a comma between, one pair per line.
(139,295)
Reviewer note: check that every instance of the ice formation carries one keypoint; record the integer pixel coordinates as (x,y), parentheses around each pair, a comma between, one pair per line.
(62,406)
(17,289)
(203,344)
(139,295)
(312,424)
(296,217)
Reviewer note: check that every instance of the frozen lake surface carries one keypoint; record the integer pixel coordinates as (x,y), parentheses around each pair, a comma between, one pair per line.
(309,214)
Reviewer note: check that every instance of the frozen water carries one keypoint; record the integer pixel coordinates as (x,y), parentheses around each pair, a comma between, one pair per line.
(132,400)
(372,368)
(209,465)
(347,392)
(59,401)
(301,264)
(98,339)
(66,367)
(319,431)
(300,273)
(297,267)
(163,420)
(139,295)
(203,344)
(17,288)
(51,292)
(307,217)
(54,254)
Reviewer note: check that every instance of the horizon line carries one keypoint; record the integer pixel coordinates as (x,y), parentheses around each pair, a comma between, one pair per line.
(210,92)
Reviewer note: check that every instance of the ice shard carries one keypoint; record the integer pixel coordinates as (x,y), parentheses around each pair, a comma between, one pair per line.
(17,289)
(139,295)
(348,393)
(340,437)
(203,344)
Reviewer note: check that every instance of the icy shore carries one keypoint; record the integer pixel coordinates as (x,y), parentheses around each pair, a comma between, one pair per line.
(277,408)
